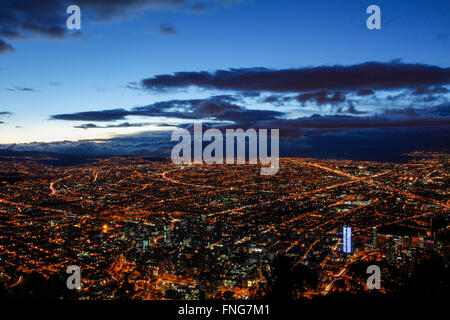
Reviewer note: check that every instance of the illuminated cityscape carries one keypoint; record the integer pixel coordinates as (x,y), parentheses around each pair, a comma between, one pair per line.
(144,228)
(225,158)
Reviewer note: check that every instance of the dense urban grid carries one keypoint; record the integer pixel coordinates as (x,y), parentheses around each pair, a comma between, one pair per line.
(144,228)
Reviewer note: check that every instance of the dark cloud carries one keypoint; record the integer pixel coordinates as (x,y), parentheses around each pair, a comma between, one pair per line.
(248,117)
(222,110)
(146,143)
(168,29)
(5,47)
(210,108)
(435,117)
(408,112)
(276,100)
(25,89)
(103,115)
(365,76)
(120,125)
(442,110)
(351,109)
(272,99)
(351,122)
(218,108)
(438,116)
(365,92)
(430,98)
(88,126)
(322,97)
(430,90)
(336,121)
(133,85)
(11,34)
(397,96)
(5,114)
(387,144)
(22,19)
(250,94)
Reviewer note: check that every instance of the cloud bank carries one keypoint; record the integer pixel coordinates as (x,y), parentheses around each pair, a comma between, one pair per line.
(23,19)
(359,77)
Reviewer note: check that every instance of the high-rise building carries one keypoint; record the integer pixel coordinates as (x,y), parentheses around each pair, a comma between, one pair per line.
(145,244)
(347,239)
(374,237)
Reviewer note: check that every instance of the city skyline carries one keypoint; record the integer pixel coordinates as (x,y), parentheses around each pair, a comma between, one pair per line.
(143,228)
(281,152)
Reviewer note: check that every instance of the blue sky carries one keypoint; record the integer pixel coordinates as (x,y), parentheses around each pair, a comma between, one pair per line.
(95,70)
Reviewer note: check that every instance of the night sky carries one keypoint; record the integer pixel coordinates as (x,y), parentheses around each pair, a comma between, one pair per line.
(137,69)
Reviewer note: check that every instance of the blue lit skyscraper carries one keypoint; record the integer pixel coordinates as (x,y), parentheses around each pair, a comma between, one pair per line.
(347,239)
